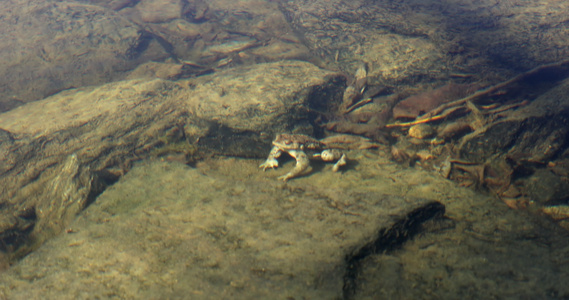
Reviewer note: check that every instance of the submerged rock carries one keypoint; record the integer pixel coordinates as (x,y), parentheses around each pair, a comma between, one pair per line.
(104,129)
(172,229)
(49,46)
(225,229)
(416,105)
(421,131)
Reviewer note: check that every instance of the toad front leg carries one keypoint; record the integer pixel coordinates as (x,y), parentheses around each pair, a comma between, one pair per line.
(272,161)
(302,163)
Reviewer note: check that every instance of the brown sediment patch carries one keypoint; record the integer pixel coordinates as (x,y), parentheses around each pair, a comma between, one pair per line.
(416,105)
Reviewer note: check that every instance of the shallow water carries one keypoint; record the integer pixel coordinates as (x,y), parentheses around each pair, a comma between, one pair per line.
(132,134)
(225,229)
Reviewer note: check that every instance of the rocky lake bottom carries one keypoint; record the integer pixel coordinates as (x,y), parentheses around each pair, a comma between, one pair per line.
(226,229)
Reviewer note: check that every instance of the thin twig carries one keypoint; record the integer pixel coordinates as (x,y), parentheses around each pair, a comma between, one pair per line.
(439,112)
(491,89)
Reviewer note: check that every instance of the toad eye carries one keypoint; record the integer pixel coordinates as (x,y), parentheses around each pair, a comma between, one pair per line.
(288,142)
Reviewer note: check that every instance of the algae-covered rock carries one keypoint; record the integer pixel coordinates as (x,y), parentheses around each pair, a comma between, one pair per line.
(233,112)
(179,231)
(421,131)
(49,46)
(225,229)
(536,132)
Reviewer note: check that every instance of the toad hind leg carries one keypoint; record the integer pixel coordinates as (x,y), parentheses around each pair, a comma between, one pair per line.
(332,155)
(339,163)
(302,163)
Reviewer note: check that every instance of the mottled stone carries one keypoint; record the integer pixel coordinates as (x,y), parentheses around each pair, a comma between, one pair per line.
(421,131)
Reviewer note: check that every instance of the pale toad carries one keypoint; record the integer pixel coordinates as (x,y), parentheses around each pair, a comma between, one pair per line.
(297,146)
